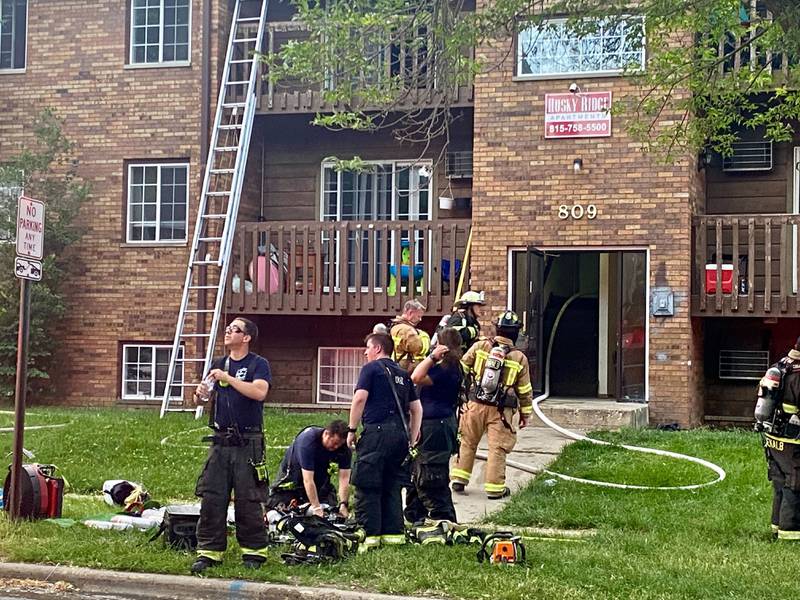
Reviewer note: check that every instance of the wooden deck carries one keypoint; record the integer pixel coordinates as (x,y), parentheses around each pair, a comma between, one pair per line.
(345,268)
(292,97)
(758,253)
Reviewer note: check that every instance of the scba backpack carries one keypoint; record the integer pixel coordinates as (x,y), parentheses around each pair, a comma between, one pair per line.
(318,540)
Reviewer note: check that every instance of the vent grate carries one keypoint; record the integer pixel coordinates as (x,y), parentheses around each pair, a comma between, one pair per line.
(743,364)
(459,164)
(749,156)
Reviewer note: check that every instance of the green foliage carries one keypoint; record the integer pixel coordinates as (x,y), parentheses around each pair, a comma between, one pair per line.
(45,172)
(368,56)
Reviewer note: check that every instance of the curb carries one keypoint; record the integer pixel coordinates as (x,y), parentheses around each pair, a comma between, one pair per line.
(178,587)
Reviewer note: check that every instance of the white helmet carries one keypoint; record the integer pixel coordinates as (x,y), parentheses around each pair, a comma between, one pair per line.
(470,297)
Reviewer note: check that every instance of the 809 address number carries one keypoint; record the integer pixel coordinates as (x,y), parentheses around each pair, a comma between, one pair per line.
(577,211)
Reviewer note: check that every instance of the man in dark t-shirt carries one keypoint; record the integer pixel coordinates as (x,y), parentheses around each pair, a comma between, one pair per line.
(241,381)
(303,475)
(385,404)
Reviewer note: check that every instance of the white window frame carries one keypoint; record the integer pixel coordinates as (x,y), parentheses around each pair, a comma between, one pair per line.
(397,165)
(562,74)
(179,372)
(132,63)
(413,202)
(335,397)
(13,44)
(129,211)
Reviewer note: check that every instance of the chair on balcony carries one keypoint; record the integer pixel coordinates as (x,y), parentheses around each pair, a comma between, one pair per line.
(405,260)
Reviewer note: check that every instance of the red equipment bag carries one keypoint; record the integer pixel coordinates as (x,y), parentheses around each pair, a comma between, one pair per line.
(42,492)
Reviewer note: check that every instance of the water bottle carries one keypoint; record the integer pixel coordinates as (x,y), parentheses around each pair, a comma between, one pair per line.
(1,499)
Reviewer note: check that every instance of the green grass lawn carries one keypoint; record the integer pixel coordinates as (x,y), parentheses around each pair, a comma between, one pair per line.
(709,543)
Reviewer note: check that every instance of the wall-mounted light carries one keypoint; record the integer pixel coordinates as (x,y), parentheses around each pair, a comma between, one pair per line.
(577,165)
(574,88)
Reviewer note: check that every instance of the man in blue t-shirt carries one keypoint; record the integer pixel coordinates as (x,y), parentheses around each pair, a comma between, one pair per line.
(303,474)
(387,407)
(241,383)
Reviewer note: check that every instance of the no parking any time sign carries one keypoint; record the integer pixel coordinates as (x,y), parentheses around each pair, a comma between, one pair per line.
(30,228)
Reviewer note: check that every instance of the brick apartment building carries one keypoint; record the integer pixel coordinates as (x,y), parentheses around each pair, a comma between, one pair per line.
(589,227)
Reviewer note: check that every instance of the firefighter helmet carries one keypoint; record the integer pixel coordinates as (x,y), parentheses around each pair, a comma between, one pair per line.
(508,319)
(470,297)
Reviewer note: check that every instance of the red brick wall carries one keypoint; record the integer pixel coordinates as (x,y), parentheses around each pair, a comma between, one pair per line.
(522,178)
(77,64)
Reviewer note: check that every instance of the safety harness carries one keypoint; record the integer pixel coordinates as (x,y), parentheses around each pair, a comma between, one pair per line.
(492,389)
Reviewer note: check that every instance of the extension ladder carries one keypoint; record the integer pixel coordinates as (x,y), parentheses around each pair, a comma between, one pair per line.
(207,271)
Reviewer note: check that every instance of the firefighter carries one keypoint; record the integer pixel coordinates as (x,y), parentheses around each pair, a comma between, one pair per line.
(782,447)
(500,384)
(439,380)
(411,345)
(464,319)
(235,460)
(386,405)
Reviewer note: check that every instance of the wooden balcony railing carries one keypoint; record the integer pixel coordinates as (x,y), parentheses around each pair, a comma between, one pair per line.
(754,55)
(348,267)
(294,97)
(756,260)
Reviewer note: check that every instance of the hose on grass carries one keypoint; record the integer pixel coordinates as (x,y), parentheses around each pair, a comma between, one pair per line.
(719,471)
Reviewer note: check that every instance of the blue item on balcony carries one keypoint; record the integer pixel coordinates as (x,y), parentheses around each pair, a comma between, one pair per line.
(446,269)
(405,259)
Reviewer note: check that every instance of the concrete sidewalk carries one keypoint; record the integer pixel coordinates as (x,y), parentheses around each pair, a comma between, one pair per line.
(536,447)
(140,586)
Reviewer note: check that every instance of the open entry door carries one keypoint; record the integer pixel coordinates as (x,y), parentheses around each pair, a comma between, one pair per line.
(536,265)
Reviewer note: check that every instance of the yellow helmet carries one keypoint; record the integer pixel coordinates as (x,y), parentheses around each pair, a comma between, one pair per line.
(471,297)
(508,318)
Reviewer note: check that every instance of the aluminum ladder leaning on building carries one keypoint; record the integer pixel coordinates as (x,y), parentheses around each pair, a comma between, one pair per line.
(207,271)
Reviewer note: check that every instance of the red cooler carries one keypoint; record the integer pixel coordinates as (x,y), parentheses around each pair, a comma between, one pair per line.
(711,279)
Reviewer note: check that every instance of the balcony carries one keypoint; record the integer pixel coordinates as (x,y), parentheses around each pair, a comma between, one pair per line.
(756,260)
(345,268)
(294,97)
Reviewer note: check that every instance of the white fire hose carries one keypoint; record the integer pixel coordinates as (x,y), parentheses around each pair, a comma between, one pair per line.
(579,436)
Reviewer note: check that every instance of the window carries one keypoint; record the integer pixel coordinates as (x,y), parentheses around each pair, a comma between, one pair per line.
(158,196)
(13,28)
(554,48)
(144,372)
(384,191)
(10,191)
(337,373)
(159,31)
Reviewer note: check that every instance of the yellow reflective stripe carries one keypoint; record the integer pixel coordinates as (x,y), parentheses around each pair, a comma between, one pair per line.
(393,539)
(526,410)
(512,364)
(460,474)
(370,542)
(215,555)
(262,552)
(525,388)
(788,535)
(782,439)
(426,345)
(494,487)
(775,528)
(790,409)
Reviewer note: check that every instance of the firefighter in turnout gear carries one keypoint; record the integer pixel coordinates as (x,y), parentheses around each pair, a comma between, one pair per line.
(411,345)
(464,319)
(235,462)
(500,384)
(781,435)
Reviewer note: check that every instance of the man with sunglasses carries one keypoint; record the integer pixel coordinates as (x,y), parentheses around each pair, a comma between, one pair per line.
(235,459)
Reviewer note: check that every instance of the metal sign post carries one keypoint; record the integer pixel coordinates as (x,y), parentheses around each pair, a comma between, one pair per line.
(30,250)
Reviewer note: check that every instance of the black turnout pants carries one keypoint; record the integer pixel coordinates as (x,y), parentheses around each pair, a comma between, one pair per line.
(228,469)
(430,496)
(783,463)
(378,476)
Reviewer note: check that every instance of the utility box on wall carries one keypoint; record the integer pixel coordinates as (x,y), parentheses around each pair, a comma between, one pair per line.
(662,302)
